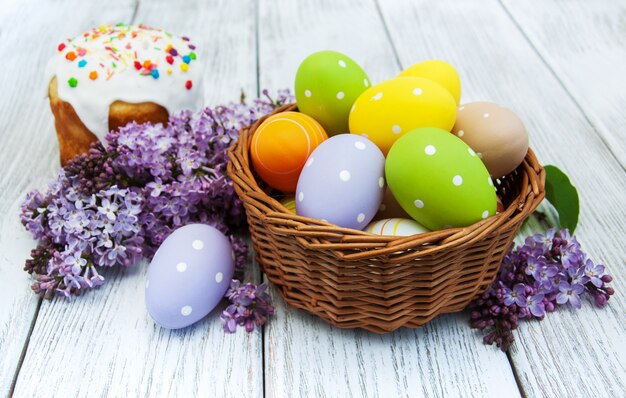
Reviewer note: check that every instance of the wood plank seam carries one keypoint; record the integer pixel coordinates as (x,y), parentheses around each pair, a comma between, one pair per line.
(135,11)
(394,50)
(520,386)
(264,330)
(560,81)
(20,362)
(257,42)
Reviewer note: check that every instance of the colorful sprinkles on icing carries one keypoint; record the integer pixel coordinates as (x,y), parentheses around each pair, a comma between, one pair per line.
(113,59)
(126,63)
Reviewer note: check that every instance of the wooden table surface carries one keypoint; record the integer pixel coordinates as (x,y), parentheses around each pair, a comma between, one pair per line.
(558,64)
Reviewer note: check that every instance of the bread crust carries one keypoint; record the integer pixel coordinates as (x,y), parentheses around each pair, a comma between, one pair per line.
(75,138)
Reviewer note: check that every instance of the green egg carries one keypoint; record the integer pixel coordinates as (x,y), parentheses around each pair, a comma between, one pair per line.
(327,84)
(439,180)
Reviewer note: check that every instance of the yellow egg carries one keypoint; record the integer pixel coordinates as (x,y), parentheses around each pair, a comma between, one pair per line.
(386,111)
(438,71)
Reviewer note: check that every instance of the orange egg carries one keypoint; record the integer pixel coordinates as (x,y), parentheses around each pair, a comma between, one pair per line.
(281,146)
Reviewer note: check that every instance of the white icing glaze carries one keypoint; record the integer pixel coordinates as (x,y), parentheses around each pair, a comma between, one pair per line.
(111,52)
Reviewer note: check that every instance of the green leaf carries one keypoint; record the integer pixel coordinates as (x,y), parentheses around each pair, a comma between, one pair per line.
(563,196)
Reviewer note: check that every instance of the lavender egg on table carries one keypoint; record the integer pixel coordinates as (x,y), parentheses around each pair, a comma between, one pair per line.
(188,275)
(342,182)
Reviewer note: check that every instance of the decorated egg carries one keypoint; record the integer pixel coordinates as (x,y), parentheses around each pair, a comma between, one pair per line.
(390,208)
(188,275)
(395,227)
(386,111)
(289,202)
(327,83)
(438,71)
(342,182)
(495,133)
(439,180)
(281,145)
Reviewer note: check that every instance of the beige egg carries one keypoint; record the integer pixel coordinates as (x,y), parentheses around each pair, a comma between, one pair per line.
(495,133)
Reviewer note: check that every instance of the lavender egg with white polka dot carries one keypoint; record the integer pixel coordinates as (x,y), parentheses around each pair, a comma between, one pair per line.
(343,182)
(188,275)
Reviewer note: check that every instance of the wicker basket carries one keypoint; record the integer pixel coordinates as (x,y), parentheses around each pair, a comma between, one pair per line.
(353,279)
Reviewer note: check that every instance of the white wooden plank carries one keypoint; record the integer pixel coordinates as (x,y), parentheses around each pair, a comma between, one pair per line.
(109,340)
(28,149)
(600,332)
(307,357)
(583,43)
(561,355)
(19,304)
(104,343)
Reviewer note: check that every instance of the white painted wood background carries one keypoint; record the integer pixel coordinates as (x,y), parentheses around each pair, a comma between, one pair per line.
(558,64)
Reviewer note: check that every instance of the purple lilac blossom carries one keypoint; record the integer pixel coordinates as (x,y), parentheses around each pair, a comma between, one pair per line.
(594,272)
(536,306)
(517,295)
(570,293)
(118,203)
(547,271)
(250,306)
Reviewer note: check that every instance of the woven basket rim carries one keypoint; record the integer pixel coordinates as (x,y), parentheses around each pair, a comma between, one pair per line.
(324,235)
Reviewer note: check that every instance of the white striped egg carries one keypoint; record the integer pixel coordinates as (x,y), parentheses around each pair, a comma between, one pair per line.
(395,227)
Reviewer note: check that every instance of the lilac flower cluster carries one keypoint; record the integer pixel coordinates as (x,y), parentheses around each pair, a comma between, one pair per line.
(250,306)
(79,232)
(119,202)
(546,272)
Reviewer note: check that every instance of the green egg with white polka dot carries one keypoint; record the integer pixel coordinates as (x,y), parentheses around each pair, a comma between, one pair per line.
(438,179)
(327,84)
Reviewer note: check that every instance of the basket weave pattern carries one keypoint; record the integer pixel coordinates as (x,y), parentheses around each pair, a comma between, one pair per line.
(353,279)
